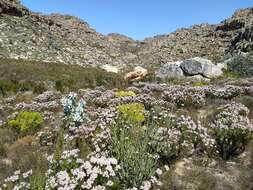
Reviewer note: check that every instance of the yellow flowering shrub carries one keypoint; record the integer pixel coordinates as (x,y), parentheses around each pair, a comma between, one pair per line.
(124,93)
(133,112)
(26,121)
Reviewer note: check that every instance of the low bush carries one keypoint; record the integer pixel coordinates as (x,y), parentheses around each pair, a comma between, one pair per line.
(133,112)
(59,86)
(26,121)
(7,86)
(71,172)
(23,153)
(39,88)
(231,129)
(7,138)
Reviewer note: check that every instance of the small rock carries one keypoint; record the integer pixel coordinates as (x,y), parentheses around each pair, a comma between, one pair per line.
(110,68)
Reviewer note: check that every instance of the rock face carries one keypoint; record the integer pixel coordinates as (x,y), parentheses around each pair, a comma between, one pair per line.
(63,38)
(12,7)
(240,28)
(196,67)
(200,66)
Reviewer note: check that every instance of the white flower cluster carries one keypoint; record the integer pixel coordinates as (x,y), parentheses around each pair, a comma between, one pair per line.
(148,184)
(166,141)
(179,133)
(233,116)
(73,109)
(95,173)
(226,92)
(101,140)
(17,181)
(197,132)
(183,96)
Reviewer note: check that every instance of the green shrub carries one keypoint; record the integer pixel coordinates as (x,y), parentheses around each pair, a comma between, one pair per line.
(59,86)
(24,86)
(125,93)
(27,121)
(130,146)
(242,65)
(133,112)
(39,88)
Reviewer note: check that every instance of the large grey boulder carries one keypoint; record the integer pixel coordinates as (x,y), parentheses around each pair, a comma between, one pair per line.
(170,70)
(200,66)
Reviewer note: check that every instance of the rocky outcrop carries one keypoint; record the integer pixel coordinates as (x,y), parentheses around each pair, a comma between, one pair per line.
(13,8)
(240,28)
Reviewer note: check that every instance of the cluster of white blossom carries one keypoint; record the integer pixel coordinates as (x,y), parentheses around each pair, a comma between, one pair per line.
(183,96)
(17,181)
(226,92)
(232,116)
(148,184)
(100,141)
(97,172)
(197,132)
(176,134)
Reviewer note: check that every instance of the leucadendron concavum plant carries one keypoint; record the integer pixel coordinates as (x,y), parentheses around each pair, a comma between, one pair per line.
(74,109)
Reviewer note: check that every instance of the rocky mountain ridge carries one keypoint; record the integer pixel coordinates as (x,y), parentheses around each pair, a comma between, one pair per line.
(67,39)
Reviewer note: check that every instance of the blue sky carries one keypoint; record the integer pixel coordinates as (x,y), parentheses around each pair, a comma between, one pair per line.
(141,18)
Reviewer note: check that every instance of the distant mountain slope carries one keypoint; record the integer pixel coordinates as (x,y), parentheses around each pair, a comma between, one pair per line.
(63,38)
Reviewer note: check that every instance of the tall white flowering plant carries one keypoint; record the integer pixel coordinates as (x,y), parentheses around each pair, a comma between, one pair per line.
(74,109)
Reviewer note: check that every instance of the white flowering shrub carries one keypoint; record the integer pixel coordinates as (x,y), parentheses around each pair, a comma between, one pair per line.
(178,136)
(97,172)
(17,181)
(72,173)
(183,97)
(231,129)
(73,109)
